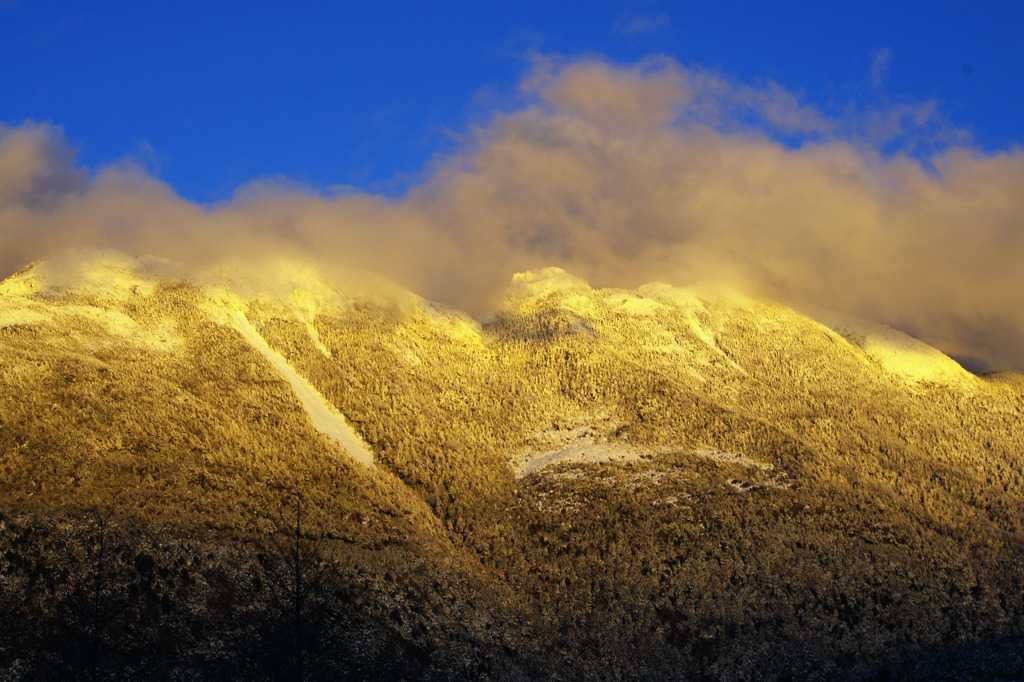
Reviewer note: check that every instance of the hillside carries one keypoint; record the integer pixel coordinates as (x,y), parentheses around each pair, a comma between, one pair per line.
(596,483)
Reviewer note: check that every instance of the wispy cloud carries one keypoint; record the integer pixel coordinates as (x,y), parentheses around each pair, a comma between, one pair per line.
(880,68)
(635,24)
(622,174)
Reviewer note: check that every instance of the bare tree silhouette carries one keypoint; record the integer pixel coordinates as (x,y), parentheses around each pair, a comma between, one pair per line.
(81,601)
(305,607)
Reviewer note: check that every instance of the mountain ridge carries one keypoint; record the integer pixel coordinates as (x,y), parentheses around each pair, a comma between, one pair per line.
(597,474)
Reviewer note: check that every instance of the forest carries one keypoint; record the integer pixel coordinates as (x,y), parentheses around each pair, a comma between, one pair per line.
(784,504)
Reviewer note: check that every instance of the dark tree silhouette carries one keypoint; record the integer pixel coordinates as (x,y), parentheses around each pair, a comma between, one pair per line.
(305,611)
(105,609)
(14,600)
(82,600)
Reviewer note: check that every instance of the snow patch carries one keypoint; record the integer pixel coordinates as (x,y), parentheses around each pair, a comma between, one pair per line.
(536,284)
(894,351)
(779,481)
(11,316)
(581,452)
(20,303)
(632,304)
(324,416)
(733,458)
(581,445)
(692,306)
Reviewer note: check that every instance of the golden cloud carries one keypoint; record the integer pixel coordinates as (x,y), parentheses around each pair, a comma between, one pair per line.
(621,175)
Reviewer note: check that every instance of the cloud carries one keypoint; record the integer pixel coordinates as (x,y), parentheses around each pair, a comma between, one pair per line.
(880,67)
(621,174)
(637,24)
(36,166)
(782,110)
(651,94)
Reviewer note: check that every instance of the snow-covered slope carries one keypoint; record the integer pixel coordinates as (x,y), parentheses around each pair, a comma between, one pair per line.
(683,478)
(752,356)
(898,353)
(96,286)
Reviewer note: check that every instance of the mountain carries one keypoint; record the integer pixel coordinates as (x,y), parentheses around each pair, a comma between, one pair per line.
(257,472)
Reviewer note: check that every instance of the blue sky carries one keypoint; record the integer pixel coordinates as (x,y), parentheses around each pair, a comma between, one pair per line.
(212,95)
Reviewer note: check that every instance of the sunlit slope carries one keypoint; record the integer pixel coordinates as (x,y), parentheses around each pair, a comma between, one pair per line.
(124,388)
(685,371)
(691,472)
(663,355)
(124,358)
(768,485)
(135,399)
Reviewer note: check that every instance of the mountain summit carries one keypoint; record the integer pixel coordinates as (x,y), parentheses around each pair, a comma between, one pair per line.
(595,483)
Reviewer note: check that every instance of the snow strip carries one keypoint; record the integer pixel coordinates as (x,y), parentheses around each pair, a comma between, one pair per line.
(325,417)
(578,449)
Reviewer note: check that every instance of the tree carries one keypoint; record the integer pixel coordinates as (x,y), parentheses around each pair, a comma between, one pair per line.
(81,602)
(303,614)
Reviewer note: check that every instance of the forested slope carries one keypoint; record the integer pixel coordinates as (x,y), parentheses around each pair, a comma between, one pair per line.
(675,483)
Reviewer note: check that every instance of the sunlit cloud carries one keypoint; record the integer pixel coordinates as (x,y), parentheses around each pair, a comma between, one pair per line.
(36,167)
(621,174)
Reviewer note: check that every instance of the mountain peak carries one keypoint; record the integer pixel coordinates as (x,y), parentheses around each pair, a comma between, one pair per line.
(103,273)
(541,282)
